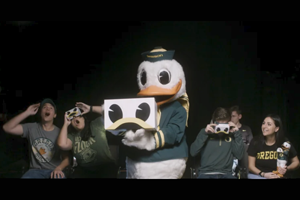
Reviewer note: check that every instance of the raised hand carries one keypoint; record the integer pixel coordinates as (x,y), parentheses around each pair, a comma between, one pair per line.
(67,120)
(210,128)
(84,107)
(235,128)
(32,109)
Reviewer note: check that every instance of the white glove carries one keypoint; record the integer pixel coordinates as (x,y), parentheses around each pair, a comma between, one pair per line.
(141,139)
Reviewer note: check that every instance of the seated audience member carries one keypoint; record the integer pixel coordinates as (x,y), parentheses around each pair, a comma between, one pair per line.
(46,159)
(95,149)
(218,149)
(263,155)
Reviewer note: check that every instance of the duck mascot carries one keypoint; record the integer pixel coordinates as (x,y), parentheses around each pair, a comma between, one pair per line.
(282,156)
(163,153)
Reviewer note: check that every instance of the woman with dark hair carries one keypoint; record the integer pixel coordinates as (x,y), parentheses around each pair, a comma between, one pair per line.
(92,146)
(262,151)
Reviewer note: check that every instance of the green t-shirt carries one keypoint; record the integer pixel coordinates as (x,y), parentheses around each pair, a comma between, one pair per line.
(93,152)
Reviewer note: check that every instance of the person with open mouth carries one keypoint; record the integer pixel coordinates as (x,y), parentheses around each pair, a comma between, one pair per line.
(46,159)
(95,149)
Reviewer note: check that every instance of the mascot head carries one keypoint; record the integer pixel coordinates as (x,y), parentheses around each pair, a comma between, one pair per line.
(286,145)
(160,76)
(279,150)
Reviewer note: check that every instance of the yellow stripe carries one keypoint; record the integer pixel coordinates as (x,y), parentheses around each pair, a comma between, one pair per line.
(122,133)
(156,140)
(158,50)
(137,121)
(221,132)
(162,137)
(158,116)
(184,100)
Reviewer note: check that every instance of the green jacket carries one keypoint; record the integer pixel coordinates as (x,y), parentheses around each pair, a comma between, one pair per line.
(216,153)
(170,137)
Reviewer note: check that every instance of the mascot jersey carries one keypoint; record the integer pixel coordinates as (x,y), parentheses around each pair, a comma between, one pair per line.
(161,77)
(170,139)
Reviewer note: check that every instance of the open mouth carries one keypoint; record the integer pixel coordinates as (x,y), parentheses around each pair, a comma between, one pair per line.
(76,121)
(47,114)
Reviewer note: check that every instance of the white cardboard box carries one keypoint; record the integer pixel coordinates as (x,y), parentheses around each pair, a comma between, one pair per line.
(130,114)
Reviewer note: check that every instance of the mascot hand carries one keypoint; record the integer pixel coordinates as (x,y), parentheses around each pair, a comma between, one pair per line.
(141,139)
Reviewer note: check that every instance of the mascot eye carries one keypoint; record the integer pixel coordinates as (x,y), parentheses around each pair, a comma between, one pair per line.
(164,76)
(143,111)
(115,113)
(143,77)
(218,129)
(226,129)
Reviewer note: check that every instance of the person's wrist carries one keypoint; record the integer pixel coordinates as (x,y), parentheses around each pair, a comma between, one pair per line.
(261,174)
(27,113)
(58,168)
(91,108)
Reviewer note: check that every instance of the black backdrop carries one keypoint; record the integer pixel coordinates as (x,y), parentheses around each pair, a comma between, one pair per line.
(251,64)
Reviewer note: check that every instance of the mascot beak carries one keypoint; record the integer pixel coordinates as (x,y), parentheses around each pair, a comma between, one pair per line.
(221,132)
(158,91)
(129,123)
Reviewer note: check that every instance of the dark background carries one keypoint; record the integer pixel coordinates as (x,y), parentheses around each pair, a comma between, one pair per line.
(252,64)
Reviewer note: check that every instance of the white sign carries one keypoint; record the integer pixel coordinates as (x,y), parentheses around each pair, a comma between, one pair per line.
(130,114)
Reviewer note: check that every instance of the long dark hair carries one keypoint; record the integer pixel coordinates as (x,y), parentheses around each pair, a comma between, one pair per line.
(86,133)
(279,135)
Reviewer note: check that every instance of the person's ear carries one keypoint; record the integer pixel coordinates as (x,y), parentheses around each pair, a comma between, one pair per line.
(276,129)
(54,115)
(240,116)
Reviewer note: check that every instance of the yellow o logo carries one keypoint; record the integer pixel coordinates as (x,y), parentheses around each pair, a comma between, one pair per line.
(228,139)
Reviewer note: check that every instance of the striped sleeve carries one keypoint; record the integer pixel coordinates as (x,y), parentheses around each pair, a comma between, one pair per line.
(159,139)
(173,131)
